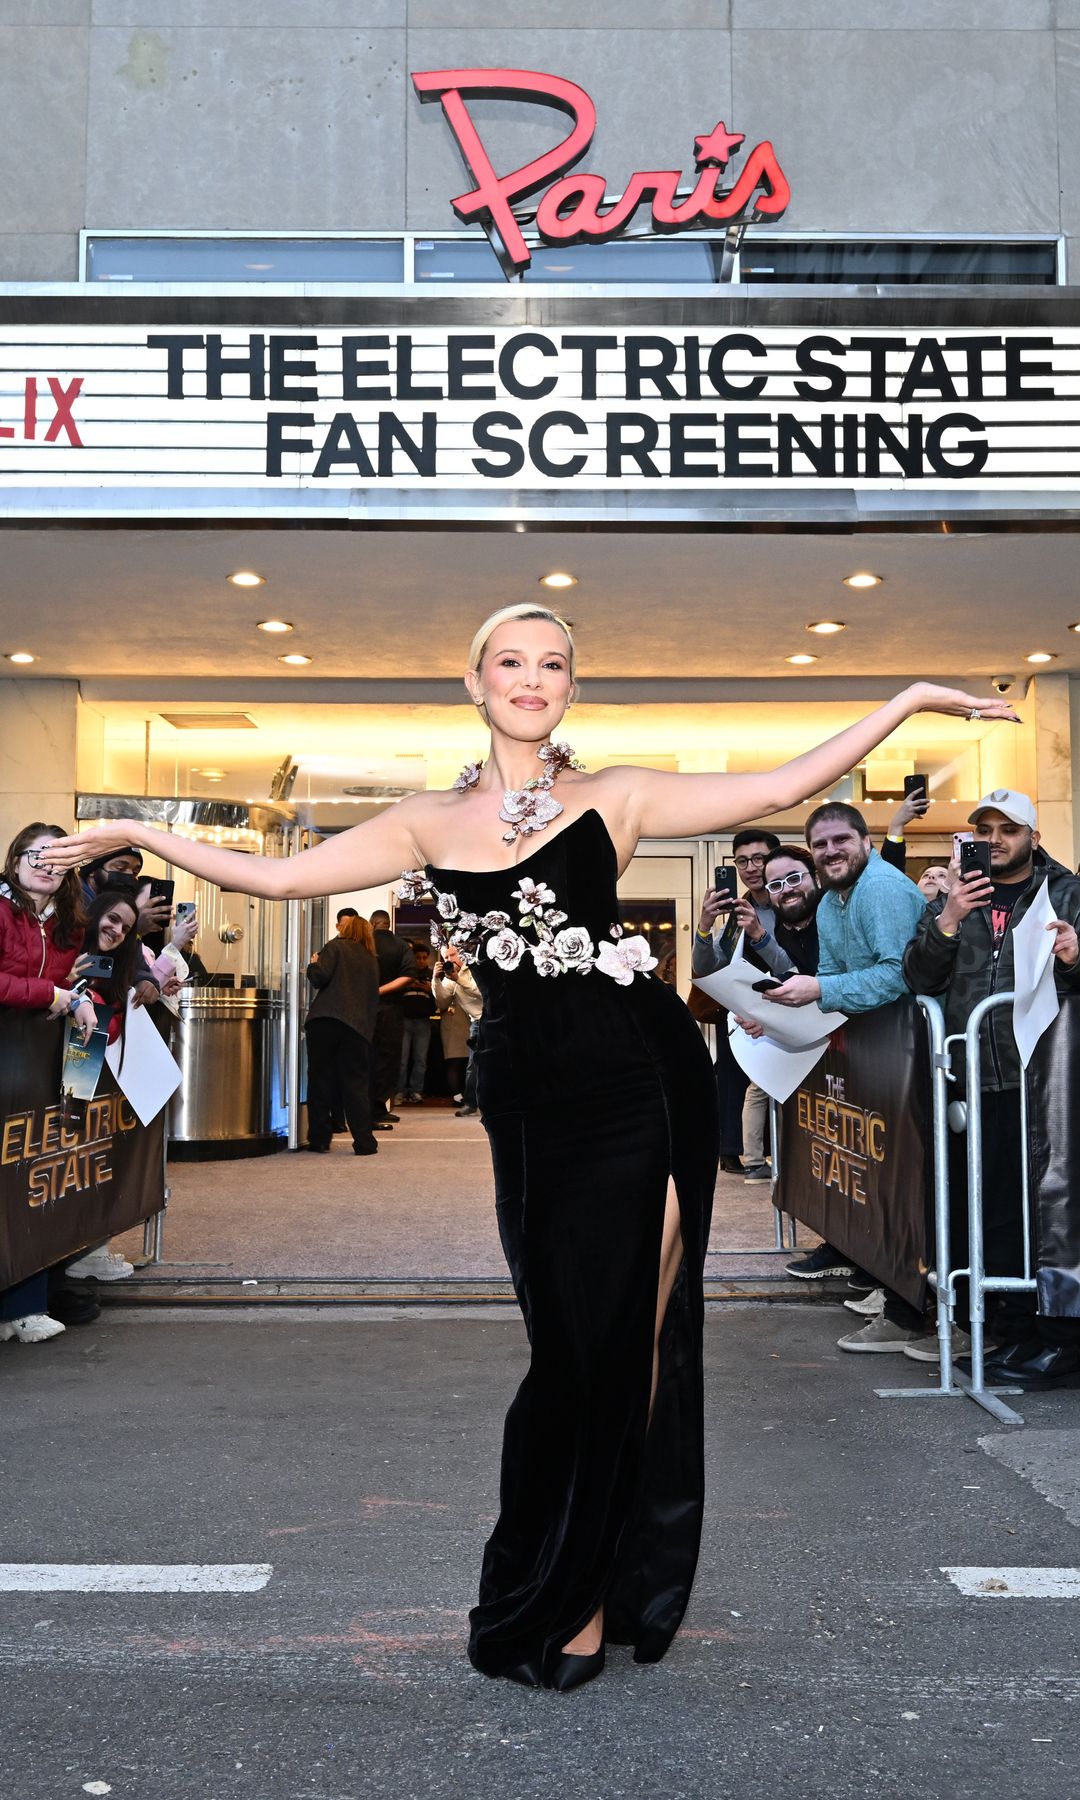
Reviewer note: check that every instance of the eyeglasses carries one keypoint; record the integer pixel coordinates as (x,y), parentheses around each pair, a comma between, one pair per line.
(780,882)
(751,862)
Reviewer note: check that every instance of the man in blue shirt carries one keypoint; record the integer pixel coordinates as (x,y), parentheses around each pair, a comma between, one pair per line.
(867,914)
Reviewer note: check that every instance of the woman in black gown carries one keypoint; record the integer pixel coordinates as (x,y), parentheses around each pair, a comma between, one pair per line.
(597,1094)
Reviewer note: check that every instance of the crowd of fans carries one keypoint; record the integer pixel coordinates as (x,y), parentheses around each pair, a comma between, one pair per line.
(842,927)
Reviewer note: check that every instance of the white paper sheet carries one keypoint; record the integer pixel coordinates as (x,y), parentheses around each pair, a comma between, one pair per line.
(794,1027)
(775,1068)
(1036,1005)
(150,1074)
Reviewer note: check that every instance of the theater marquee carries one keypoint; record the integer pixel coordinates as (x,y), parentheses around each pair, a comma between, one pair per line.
(696,408)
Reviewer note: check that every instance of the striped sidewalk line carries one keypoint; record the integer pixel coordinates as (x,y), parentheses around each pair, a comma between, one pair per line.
(1016,1584)
(134,1578)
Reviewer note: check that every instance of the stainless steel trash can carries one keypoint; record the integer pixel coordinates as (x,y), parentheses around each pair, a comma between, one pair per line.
(229,1043)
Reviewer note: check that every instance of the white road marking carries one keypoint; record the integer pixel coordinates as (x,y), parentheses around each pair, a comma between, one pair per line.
(1016,1584)
(134,1578)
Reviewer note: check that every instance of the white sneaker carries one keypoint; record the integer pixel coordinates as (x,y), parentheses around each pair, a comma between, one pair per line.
(882,1336)
(869,1305)
(927,1349)
(100,1265)
(34,1329)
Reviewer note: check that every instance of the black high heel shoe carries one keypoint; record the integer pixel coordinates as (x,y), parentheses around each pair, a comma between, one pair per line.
(570,1671)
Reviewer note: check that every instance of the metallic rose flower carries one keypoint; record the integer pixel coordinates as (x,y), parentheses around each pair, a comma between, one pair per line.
(574,948)
(625,959)
(506,949)
(495,921)
(532,895)
(468,778)
(413,885)
(545,961)
(447,906)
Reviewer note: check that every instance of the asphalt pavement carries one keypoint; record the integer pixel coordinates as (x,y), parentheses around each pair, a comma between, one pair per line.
(352,1461)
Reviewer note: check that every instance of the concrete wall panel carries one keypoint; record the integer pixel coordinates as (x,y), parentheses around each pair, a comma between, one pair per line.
(898,15)
(39,256)
(246,129)
(924,131)
(618,15)
(1068,106)
(262,14)
(44,12)
(651,99)
(43,75)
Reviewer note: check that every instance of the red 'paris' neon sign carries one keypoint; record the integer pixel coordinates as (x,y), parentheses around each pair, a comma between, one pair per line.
(572,210)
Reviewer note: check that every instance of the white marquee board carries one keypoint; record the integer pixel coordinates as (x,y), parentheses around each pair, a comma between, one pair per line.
(694,408)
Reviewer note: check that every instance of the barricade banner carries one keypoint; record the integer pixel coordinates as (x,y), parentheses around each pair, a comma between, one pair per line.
(1053,1152)
(65,1181)
(856,1148)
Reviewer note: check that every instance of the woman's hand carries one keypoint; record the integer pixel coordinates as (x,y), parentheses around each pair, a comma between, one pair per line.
(82,846)
(171,985)
(61,1005)
(78,967)
(925,697)
(85,1020)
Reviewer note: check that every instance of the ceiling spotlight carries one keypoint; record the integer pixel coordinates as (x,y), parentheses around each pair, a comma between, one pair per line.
(863,580)
(1042,656)
(1075,627)
(295,657)
(802,657)
(826,627)
(210,774)
(246,578)
(275,625)
(19,656)
(557,579)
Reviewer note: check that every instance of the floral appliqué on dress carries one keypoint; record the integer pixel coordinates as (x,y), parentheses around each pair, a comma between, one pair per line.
(556,947)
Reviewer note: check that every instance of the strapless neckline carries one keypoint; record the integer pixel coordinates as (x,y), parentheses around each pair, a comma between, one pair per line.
(512,868)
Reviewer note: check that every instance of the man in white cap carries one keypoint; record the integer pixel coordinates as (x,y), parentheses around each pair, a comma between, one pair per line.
(963,950)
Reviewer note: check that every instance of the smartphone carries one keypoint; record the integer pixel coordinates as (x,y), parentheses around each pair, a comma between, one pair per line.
(726,882)
(958,839)
(185,909)
(766,982)
(915,788)
(161,888)
(97,968)
(974,859)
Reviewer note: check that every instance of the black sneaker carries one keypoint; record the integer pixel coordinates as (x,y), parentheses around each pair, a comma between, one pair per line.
(861,1283)
(820,1262)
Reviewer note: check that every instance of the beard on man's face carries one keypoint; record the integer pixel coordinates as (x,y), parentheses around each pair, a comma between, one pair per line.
(841,868)
(797,907)
(1013,864)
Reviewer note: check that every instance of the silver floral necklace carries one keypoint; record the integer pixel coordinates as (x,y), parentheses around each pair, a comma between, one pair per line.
(530,808)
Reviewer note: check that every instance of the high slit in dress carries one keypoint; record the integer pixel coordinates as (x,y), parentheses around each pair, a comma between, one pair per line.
(594,1088)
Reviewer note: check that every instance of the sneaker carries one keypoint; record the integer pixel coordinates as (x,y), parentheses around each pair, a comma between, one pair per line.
(414,1099)
(100,1265)
(401,1100)
(880,1336)
(860,1282)
(466,1112)
(72,1308)
(34,1329)
(820,1262)
(926,1348)
(869,1306)
(730,1165)
(755,1172)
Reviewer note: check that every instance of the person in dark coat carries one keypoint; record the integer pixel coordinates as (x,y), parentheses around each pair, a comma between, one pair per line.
(396,965)
(339,1029)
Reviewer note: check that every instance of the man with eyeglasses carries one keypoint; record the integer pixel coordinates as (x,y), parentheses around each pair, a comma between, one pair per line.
(743,1107)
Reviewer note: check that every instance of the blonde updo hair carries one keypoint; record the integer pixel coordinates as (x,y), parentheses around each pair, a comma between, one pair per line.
(524,609)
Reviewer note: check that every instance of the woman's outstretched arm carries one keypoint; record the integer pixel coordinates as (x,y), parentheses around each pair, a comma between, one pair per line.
(665,805)
(365,856)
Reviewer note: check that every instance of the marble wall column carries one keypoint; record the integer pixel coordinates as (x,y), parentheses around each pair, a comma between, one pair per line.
(38,750)
(1054,766)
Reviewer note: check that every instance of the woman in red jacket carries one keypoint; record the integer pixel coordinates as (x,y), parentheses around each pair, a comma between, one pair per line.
(41,934)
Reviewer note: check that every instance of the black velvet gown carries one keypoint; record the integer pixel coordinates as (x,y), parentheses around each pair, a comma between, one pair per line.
(593,1092)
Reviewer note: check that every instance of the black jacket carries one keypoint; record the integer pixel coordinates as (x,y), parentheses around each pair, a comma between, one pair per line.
(965,970)
(346,980)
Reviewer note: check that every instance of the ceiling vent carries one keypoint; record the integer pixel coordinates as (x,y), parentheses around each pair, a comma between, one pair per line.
(209,721)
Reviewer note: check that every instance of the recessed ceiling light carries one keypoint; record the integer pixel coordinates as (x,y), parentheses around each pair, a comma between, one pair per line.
(275,625)
(802,657)
(826,627)
(1043,656)
(1075,627)
(558,579)
(19,656)
(862,579)
(294,656)
(246,578)
(210,774)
